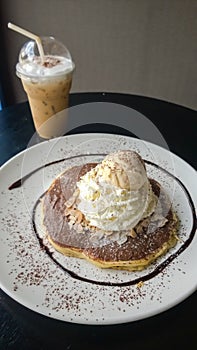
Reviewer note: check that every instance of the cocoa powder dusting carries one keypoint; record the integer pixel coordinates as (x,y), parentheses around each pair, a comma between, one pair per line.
(50,62)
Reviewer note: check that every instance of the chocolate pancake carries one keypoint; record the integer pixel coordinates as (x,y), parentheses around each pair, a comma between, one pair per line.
(70,234)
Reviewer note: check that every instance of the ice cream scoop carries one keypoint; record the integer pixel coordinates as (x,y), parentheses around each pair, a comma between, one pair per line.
(116,194)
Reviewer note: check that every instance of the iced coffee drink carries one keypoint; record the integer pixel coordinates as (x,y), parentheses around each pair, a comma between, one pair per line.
(47,84)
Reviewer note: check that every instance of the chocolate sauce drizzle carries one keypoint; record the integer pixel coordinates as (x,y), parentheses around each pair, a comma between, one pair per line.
(18,183)
(143,278)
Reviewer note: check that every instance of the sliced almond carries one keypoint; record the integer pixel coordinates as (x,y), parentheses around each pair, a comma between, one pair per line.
(79,216)
(72,220)
(69,203)
(66,212)
(132,233)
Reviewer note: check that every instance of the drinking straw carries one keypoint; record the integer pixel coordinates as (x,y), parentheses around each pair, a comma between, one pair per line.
(31,36)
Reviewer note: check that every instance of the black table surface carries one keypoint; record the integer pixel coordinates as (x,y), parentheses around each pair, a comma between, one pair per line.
(21,328)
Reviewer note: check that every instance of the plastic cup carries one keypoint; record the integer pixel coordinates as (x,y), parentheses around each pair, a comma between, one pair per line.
(47,84)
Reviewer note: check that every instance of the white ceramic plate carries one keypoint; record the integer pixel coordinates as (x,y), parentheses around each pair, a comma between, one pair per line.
(35,277)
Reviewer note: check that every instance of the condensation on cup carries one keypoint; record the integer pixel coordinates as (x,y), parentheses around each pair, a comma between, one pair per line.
(47,84)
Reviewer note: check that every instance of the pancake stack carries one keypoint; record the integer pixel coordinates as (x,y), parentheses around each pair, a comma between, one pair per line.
(73,233)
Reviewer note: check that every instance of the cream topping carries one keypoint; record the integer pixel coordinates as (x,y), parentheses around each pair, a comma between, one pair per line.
(53,65)
(116,194)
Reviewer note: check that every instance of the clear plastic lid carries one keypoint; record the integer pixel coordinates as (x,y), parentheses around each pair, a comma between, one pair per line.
(57,59)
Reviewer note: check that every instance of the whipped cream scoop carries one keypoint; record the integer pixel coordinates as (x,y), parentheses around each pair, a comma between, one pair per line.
(116,194)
